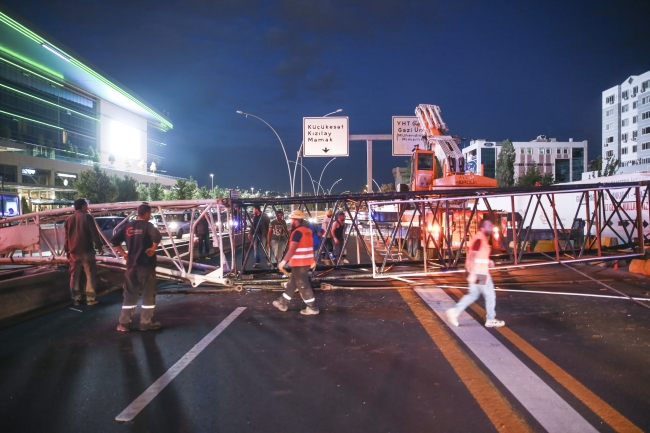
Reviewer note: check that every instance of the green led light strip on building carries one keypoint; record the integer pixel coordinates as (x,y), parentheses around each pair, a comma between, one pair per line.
(29,70)
(33,36)
(48,102)
(31,120)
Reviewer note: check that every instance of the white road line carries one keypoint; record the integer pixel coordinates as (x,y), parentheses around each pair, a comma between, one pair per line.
(548,408)
(145,398)
(541,292)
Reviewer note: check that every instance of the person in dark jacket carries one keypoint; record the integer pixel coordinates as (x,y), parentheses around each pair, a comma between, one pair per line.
(80,235)
(141,239)
(258,234)
(203,234)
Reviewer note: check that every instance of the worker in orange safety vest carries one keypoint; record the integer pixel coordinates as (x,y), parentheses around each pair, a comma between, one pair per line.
(300,257)
(478,266)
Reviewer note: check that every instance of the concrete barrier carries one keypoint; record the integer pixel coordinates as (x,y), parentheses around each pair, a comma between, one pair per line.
(28,296)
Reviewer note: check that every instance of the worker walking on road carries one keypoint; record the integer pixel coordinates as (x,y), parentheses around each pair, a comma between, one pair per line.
(141,239)
(277,237)
(300,257)
(80,235)
(478,266)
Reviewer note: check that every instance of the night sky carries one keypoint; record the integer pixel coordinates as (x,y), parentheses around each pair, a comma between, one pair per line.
(497,69)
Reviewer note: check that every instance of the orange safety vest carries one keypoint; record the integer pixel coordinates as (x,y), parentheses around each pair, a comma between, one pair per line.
(304,255)
(481,263)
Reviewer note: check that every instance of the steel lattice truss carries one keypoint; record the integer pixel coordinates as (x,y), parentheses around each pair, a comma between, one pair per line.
(394,234)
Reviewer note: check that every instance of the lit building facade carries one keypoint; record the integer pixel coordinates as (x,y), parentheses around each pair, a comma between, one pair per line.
(59,115)
(626,123)
(565,160)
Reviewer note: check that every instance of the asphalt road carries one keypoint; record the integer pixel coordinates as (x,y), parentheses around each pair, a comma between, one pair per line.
(373,361)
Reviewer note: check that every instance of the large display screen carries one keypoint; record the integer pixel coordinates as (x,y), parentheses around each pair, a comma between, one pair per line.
(124,140)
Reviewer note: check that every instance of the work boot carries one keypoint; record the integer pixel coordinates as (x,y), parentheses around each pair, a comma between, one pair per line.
(452,316)
(257,265)
(281,304)
(92,302)
(123,328)
(494,323)
(151,326)
(309,311)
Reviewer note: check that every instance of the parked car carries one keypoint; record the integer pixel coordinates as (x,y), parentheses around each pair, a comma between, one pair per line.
(177,222)
(107,224)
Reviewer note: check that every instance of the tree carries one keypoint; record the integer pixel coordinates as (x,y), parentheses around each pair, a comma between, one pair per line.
(91,153)
(183,190)
(142,165)
(127,188)
(127,164)
(153,167)
(611,165)
(111,158)
(203,193)
(95,185)
(387,187)
(143,192)
(533,177)
(156,191)
(506,164)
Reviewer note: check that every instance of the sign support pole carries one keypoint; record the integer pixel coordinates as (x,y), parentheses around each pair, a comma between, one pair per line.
(369,164)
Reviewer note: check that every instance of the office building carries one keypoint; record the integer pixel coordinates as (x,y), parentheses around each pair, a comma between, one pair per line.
(59,115)
(626,123)
(566,160)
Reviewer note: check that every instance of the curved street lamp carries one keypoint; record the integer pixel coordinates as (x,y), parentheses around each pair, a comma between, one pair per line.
(281,144)
(321,175)
(313,182)
(329,191)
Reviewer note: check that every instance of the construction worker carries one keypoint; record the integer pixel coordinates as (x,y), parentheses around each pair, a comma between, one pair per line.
(142,239)
(478,266)
(80,235)
(300,257)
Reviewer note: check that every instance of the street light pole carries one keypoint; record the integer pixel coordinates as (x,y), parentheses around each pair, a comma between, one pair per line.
(329,191)
(299,155)
(323,171)
(313,182)
(212,180)
(281,144)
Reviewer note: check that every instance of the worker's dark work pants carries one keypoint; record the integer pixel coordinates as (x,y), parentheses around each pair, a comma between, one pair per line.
(139,280)
(79,263)
(300,278)
(204,243)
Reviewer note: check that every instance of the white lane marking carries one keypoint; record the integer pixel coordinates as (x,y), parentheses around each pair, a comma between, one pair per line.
(76,310)
(548,408)
(588,295)
(145,398)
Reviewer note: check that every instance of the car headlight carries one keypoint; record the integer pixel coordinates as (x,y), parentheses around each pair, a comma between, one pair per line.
(173,225)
